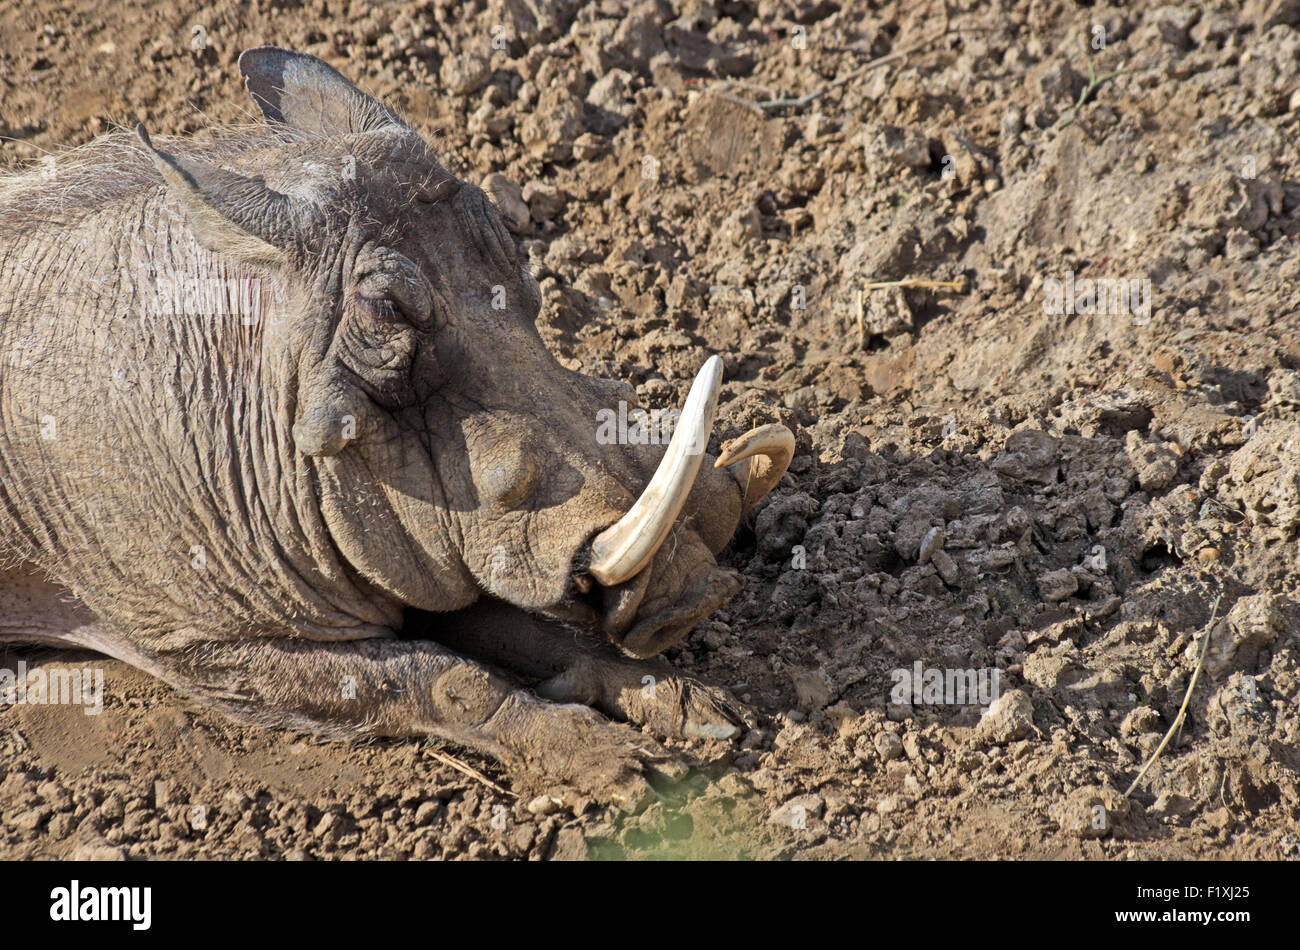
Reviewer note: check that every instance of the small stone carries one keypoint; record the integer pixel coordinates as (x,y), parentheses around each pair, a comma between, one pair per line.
(548,130)
(813,688)
(1172,805)
(843,716)
(509,200)
(735,785)
(60,826)
(885,312)
(818,126)
(113,808)
(1220,818)
(1254,624)
(570,845)
(544,202)
(1056,586)
(742,226)
(1010,717)
(490,119)
(328,827)
(587,147)
(899,712)
(888,746)
(933,541)
(426,812)
(55,795)
(465,73)
(97,849)
(612,93)
(542,805)
(31,819)
(521,838)
(197,816)
(896,773)
(1140,721)
(237,801)
(1156,465)
(889,148)
(946,566)
(1083,814)
(1048,669)
(912,746)
(798,812)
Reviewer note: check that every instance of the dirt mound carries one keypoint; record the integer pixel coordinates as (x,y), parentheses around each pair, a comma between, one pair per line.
(1036,488)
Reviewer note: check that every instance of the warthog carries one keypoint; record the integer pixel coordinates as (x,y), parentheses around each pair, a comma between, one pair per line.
(278,429)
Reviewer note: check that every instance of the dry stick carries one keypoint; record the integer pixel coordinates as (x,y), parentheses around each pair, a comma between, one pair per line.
(957,285)
(1182,712)
(885,60)
(742,102)
(914,282)
(473,773)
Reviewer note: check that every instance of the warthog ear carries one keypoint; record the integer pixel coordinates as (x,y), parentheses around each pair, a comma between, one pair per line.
(304,93)
(228,213)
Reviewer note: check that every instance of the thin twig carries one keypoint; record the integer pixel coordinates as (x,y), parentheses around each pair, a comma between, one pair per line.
(906,282)
(864,46)
(1095,82)
(801,101)
(752,107)
(1182,712)
(472,772)
(915,282)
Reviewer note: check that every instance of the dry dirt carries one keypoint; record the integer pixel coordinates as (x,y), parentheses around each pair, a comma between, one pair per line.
(1064,498)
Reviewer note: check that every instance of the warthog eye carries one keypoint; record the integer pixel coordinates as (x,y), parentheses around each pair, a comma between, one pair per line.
(389,296)
(383,308)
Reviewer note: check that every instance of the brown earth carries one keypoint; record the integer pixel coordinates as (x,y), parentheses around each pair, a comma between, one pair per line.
(1075,499)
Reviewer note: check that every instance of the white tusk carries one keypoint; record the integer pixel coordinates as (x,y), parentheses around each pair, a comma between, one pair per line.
(770,449)
(622,550)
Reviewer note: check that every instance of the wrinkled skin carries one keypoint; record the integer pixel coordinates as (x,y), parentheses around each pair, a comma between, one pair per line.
(250,506)
(487,444)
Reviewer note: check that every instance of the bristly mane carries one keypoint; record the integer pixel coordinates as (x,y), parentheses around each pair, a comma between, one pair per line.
(69,185)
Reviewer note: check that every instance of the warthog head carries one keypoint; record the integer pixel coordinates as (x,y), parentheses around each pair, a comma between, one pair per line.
(450,452)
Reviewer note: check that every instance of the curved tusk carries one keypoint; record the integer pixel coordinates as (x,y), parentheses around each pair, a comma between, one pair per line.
(622,550)
(770,449)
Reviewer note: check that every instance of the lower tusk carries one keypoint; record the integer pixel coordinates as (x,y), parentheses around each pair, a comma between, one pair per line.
(769,450)
(624,549)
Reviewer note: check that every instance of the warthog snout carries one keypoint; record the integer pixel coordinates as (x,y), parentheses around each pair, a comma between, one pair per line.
(621,556)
